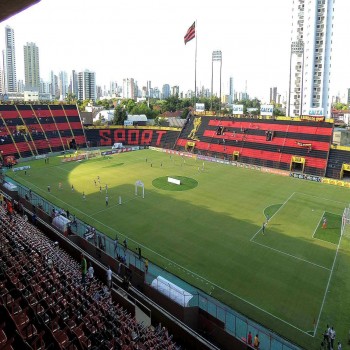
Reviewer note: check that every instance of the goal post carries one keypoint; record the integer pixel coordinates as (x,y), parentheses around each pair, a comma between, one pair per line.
(345,224)
(140,184)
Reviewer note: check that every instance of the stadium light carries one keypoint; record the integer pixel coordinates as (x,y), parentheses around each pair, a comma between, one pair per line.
(216,57)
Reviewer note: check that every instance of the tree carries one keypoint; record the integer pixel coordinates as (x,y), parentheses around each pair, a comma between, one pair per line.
(107,104)
(119,115)
(71,98)
(340,106)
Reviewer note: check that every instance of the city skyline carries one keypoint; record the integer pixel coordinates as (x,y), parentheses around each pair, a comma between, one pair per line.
(145,42)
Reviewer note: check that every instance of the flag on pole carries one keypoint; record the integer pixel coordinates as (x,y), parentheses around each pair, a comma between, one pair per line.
(191,33)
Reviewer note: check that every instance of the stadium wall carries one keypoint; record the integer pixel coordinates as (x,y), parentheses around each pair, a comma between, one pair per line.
(136,136)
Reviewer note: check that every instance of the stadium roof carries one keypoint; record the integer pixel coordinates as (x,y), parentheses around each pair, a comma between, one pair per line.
(137,117)
(9,8)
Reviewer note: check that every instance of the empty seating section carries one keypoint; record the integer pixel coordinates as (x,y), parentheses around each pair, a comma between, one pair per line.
(264,142)
(28,130)
(43,303)
(336,160)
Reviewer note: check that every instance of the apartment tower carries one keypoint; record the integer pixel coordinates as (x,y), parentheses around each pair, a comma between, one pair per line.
(310,58)
(10,61)
(31,67)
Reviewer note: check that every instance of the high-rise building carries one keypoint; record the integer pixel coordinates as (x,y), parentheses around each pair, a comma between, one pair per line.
(348,97)
(31,67)
(175,90)
(231,91)
(10,61)
(44,87)
(273,94)
(166,91)
(20,86)
(55,92)
(310,58)
(149,89)
(63,84)
(73,86)
(113,88)
(128,88)
(86,86)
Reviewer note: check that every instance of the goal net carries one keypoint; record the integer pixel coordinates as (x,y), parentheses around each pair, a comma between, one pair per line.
(345,225)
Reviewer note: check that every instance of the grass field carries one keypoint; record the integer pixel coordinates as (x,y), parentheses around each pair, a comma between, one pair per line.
(293,278)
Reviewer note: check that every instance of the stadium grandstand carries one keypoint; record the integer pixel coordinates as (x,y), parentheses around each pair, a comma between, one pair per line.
(43,301)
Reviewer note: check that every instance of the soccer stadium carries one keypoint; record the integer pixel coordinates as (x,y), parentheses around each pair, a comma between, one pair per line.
(227,228)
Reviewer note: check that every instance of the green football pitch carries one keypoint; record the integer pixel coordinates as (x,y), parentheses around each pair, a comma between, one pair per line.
(292,278)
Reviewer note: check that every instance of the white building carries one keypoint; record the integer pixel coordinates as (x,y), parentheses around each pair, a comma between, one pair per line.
(63,84)
(31,67)
(86,86)
(73,86)
(310,58)
(10,61)
(129,88)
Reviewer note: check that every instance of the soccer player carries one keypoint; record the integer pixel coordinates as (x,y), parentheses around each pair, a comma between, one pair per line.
(48,188)
(106,200)
(60,185)
(84,197)
(324,225)
(72,188)
(263,228)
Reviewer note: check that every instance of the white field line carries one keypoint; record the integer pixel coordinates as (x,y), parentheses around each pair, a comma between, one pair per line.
(318,224)
(292,256)
(322,240)
(185,269)
(322,198)
(274,214)
(328,283)
(114,205)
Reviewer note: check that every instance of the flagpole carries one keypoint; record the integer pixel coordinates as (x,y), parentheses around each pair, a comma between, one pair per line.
(195,70)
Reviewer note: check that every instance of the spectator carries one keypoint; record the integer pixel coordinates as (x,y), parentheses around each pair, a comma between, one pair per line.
(256,342)
(140,256)
(90,271)
(83,269)
(250,340)
(109,278)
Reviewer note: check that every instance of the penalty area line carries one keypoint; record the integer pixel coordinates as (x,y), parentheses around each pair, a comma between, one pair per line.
(318,224)
(292,256)
(251,240)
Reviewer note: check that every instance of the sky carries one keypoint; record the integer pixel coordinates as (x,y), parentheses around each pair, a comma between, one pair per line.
(144,40)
